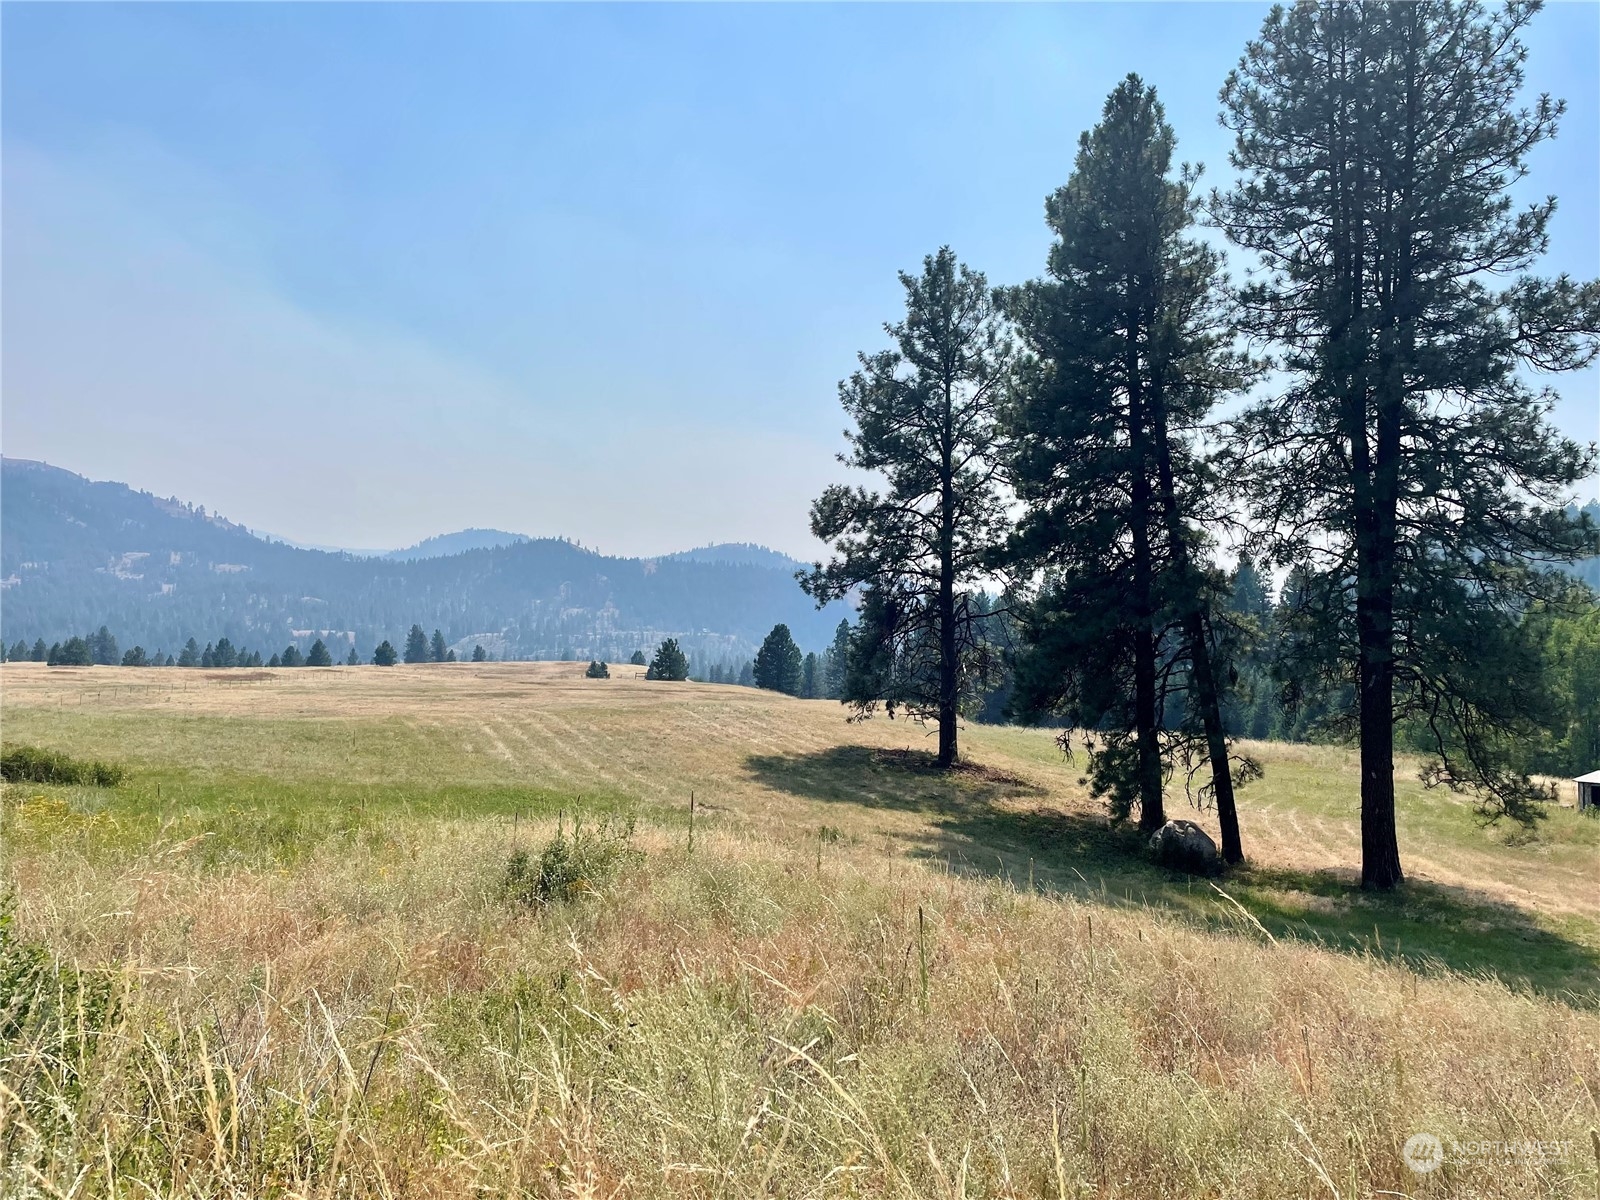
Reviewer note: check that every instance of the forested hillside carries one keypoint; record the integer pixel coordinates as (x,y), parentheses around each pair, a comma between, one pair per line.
(76,554)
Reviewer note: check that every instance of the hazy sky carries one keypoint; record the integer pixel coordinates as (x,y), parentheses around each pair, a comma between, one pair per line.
(360,274)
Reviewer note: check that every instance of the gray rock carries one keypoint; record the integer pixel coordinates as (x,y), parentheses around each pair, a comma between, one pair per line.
(1184,846)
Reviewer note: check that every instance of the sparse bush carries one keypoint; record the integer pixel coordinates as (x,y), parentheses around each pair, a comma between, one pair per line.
(29,764)
(597,670)
(571,865)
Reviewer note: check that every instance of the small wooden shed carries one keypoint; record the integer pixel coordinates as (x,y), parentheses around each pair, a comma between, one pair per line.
(1588,791)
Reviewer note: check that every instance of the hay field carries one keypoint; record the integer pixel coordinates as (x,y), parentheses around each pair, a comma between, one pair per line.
(284,958)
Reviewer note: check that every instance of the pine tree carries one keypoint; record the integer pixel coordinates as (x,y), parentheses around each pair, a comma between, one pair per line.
(39,653)
(778,663)
(74,652)
(18,652)
(1407,464)
(1128,355)
(810,674)
(274,661)
(224,655)
(436,649)
(384,655)
(1251,709)
(319,656)
(102,647)
(208,656)
(292,657)
(134,657)
(479,654)
(190,655)
(926,418)
(417,650)
(597,670)
(352,659)
(637,658)
(669,663)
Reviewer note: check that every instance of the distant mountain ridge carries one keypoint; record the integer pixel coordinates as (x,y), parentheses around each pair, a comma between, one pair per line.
(459,542)
(76,554)
(740,554)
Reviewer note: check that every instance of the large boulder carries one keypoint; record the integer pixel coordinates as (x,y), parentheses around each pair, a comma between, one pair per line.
(1184,846)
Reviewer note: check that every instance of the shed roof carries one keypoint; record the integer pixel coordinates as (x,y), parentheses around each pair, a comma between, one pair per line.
(1591,777)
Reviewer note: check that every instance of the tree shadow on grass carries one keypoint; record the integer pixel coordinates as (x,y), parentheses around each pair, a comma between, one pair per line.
(905,780)
(985,822)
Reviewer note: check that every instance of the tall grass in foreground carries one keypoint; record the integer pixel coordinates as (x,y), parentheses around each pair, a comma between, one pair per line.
(379,1018)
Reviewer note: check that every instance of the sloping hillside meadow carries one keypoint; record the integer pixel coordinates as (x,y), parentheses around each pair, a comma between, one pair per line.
(446,931)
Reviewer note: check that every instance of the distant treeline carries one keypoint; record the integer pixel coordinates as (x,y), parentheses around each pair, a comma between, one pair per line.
(100,649)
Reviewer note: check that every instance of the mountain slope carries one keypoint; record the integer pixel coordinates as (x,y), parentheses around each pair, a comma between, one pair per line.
(75,554)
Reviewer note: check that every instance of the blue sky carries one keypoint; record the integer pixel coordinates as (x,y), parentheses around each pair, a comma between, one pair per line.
(358,274)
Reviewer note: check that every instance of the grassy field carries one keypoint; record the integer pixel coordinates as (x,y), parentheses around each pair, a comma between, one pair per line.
(444,930)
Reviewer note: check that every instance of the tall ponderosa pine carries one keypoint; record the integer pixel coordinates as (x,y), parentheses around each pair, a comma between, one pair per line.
(779,663)
(384,655)
(437,650)
(926,420)
(1128,354)
(1407,466)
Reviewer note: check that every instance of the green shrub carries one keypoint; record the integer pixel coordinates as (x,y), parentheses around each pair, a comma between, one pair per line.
(29,764)
(571,865)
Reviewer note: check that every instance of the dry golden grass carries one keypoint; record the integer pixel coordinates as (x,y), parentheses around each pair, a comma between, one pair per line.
(863,979)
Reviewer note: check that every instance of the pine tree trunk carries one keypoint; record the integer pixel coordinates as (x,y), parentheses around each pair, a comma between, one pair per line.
(1152,812)
(1380,846)
(1207,694)
(1376,497)
(1146,712)
(947,593)
(1208,697)
(947,669)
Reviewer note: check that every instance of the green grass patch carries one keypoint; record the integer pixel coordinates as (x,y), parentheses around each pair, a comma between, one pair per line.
(30,764)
